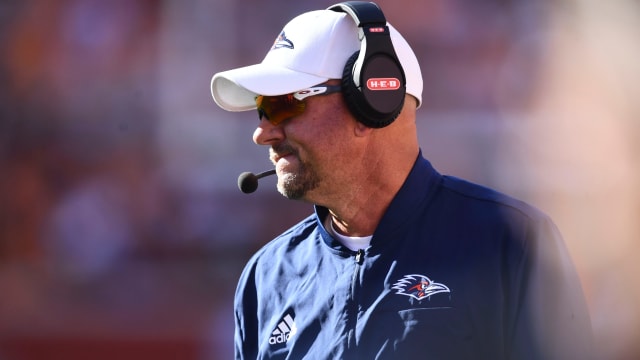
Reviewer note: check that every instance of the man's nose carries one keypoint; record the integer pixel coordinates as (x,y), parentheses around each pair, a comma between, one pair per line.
(267,134)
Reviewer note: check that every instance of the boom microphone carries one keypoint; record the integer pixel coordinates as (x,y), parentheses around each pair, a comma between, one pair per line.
(248,182)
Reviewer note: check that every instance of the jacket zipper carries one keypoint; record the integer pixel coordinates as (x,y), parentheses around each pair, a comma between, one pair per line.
(359,259)
(354,280)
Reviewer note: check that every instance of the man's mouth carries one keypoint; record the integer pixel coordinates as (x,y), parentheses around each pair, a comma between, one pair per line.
(283,161)
(283,153)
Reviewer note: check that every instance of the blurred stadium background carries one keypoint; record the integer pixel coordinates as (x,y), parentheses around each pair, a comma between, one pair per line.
(122,232)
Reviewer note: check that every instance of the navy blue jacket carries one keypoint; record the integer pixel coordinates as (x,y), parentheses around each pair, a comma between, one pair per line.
(454,271)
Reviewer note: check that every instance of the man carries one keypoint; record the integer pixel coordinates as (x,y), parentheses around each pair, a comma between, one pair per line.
(398,261)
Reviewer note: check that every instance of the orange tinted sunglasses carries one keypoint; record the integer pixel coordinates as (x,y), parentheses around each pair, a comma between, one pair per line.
(277,109)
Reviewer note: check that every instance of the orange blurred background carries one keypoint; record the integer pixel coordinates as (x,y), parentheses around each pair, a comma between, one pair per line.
(122,232)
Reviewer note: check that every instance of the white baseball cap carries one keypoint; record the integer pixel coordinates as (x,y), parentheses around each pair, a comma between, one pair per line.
(311,49)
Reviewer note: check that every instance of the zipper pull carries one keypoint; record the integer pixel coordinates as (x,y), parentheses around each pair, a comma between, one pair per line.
(359,256)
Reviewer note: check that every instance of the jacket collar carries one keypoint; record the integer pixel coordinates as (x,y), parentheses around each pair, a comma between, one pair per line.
(417,189)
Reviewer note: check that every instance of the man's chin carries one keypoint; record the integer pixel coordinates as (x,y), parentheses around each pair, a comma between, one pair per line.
(289,189)
(294,186)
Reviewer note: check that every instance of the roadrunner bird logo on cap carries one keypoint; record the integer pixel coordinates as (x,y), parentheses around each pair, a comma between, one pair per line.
(418,287)
(282,42)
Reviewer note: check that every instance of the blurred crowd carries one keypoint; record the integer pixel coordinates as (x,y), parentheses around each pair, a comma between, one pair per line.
(122,232)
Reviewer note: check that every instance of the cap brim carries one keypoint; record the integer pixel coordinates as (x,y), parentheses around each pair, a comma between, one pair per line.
(236,90)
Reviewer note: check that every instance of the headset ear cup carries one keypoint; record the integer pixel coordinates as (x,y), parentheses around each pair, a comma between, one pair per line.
(352,96)
(357,102)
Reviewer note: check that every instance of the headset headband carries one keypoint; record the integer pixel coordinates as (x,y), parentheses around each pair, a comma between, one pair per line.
(373,81)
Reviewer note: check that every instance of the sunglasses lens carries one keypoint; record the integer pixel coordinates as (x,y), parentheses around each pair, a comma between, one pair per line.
(277,109)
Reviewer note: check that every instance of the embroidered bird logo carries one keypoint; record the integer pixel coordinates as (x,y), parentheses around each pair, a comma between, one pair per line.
(282,42)
(418,287)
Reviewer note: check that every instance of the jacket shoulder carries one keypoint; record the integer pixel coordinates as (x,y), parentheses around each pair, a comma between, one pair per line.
(484,197)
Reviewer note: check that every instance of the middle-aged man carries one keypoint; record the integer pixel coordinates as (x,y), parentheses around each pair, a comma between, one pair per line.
(398,261)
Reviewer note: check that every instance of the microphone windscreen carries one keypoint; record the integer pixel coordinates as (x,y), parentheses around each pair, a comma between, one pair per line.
(247,182)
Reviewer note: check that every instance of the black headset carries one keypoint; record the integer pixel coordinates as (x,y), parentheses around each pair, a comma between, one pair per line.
(373,82)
